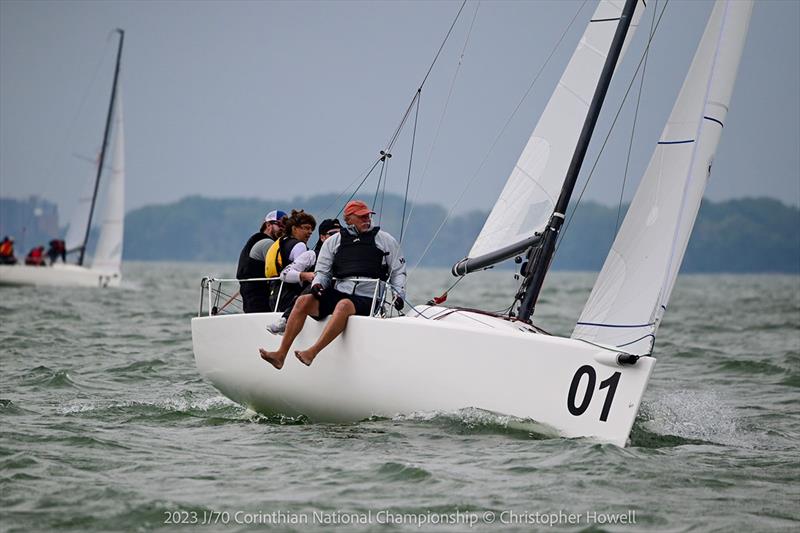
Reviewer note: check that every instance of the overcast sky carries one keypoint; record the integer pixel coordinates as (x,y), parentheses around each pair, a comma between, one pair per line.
(286,99)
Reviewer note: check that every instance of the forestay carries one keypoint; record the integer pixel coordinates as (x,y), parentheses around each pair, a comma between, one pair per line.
(531,192)
(108,256)
(631,293)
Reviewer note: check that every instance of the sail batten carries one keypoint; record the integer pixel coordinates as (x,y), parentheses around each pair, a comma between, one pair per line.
(532,190)
(639,274)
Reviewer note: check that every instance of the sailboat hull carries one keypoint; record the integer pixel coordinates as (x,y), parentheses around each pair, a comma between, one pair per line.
(405,365)
(58,275)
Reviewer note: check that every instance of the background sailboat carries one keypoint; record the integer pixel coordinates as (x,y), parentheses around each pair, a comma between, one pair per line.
(444,359)
(105,269)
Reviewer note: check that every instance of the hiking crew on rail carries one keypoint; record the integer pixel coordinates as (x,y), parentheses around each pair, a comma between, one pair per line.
(255,294)
(357,251)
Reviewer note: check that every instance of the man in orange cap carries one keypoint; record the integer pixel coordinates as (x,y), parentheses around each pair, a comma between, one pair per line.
(358,251)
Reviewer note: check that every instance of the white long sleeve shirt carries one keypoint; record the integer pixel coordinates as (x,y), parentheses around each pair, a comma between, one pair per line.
(302,263)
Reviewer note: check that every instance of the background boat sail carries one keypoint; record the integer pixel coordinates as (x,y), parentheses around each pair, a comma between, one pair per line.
(105,269)
(440,359)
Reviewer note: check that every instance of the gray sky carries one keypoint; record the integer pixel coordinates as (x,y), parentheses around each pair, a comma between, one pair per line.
(285,99)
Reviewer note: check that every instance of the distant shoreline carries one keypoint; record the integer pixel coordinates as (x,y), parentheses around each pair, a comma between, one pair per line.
(750,235)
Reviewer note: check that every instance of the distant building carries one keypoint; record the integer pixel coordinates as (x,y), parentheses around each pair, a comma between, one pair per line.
(31,222)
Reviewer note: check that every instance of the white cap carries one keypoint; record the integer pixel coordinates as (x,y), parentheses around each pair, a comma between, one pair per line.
(274,216)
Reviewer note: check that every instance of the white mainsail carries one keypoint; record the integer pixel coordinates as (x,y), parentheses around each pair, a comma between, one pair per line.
(531,192)
(76,230)
(108,256)
(631,293)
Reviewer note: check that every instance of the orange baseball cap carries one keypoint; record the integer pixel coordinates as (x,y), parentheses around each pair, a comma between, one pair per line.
(358,208)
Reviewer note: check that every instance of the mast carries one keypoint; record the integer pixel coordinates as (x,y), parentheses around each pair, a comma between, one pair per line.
(535,274)
(106,135)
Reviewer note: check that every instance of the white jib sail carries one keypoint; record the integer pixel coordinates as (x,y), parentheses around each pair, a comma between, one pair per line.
(631,293)
(532,189)
(108,256)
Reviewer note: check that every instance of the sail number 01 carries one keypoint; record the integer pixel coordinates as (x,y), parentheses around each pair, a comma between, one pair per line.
(611,384)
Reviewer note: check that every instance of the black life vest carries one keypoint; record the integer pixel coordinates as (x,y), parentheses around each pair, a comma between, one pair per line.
(287,245)
(359,257)
(255,294)
(249,267)
(278,259)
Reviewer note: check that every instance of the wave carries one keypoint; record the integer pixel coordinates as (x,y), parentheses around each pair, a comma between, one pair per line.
(7,407)
(148,367)
(403,472)
(169,407)
(473,421)
(687,417)
(752,367)
(48,377)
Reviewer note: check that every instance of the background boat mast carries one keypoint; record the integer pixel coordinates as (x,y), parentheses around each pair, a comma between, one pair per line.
(106,135)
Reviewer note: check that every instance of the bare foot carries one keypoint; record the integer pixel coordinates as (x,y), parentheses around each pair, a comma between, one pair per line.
(305,356)
(273,358)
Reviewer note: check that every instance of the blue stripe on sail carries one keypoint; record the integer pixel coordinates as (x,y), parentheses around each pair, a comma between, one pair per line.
(637,340)
(687,141)
(712,119)
(615,325)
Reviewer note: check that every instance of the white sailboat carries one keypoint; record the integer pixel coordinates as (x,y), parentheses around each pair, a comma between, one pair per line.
(105,269)
(445,359)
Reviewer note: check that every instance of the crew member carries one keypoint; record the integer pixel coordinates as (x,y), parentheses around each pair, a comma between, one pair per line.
(358,251)
(35,257)
(57,249)
(297,229)
(255,294)
(301,270)
(7,251)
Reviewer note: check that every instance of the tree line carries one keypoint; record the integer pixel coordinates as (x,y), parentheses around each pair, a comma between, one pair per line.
(745,235)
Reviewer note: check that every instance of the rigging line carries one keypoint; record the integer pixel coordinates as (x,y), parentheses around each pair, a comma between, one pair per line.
(443,43)
(402,122)
(633,126)
(441,118)
(499,135)
(375,164)
(421,85)
(408,177)
(378,186)
(613,123)
(396,133)
(71,128)
(456,282)
(383,194)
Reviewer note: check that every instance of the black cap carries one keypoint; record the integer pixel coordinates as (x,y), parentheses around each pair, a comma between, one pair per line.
(328,224)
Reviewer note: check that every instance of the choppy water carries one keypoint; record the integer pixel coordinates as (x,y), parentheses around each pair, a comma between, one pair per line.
(105,425)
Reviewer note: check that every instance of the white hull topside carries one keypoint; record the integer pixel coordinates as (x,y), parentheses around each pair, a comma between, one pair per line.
(58,275)
(405,365)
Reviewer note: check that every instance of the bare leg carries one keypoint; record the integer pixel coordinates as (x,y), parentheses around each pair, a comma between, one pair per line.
(306,305)
(335,326)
